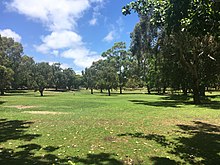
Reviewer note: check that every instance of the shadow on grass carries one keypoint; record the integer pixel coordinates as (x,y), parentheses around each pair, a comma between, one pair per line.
(175,101)
(198,144)
(2,102)
(27,152)
(23,154)
(98,159)
(173,104)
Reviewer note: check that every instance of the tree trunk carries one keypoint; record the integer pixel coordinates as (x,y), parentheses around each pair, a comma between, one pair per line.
(109,92)
(159,90)
(164,89)
(101,90)
(41,93)
(196,95)
(184,91)
(202,90)
(2,92)
(91,90)
(41,90)
(120,89)
(148,89)
(193,69)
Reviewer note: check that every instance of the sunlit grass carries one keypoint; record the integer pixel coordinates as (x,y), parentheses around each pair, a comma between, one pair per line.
(120,129)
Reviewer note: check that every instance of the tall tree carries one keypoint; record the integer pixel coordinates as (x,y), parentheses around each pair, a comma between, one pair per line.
(6,76)
(117,55)
(25,72)
(13,51)
(186,21)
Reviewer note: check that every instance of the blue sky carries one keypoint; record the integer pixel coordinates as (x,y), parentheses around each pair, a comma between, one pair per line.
(72,32)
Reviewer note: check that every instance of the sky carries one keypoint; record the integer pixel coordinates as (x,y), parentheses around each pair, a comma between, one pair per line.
(71,32)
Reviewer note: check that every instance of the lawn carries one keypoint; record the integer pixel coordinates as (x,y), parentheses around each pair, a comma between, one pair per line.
(79,128)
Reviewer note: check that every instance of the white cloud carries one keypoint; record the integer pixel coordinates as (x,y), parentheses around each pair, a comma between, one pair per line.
(96,12)
(110,36)
(59,40)
(59,14)
(11,34)
(116,30)
(81,56)
(93,21)
(60,17)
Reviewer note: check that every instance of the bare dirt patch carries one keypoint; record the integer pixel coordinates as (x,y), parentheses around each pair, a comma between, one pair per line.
(22,106)
(45,112)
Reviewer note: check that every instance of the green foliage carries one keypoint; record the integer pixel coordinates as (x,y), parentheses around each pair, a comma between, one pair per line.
(188,33)
(6,76)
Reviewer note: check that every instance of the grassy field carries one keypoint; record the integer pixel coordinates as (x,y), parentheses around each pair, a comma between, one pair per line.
(79,128)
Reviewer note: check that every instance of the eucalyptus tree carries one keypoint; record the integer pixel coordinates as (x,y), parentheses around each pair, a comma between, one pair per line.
(6,73)
(109,75)
(99,74)
(57,75)
(6,77)
(89,77)
(70,77)
(13,52)
(119,58)
(43,76)
(78,81)
(186,22)
(25,72)
(144,47)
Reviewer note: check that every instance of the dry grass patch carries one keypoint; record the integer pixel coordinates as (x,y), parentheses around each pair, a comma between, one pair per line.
(22,106)
(45,112)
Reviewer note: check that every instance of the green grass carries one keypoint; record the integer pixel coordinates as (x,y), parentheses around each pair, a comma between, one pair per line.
(98,129)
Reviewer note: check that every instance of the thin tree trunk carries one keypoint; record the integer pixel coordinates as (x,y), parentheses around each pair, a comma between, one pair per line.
(109,92)
(120,89)
(184,89)
(101,90)
(148,89)
(164,89)
(91,90)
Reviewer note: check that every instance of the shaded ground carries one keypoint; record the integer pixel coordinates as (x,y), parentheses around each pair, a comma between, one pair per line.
(198,144)
(176,101)
(25,154)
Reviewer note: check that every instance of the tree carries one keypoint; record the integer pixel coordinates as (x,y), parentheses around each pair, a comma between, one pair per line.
(6,76)
(186,22)
(43,76)
(89,77)
(144,50)
(6,73)
(109,75)
(13,52)
(70,77)
(25,72)
(118,56)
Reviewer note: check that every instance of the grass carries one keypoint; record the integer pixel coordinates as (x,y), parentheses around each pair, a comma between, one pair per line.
(98,129)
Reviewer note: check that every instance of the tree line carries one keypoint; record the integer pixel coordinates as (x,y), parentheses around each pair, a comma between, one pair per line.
(174,45)
(18,71)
